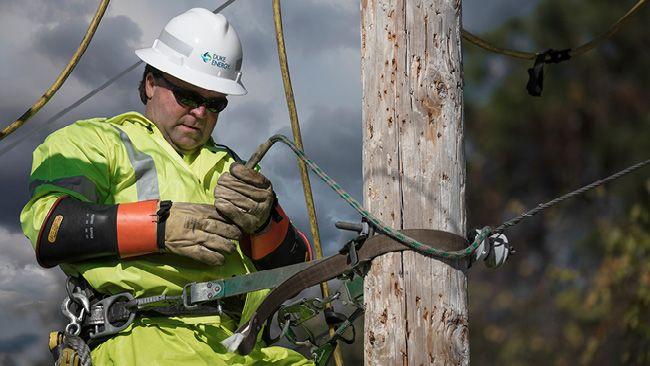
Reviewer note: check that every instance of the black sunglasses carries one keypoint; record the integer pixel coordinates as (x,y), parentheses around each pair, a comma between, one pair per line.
(191,99)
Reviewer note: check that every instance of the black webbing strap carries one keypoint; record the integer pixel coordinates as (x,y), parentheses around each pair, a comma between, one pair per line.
(536,73)
(332,267)
(119,312)
(114,313)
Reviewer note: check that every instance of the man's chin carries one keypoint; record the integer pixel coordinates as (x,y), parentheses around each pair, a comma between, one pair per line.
(186,145)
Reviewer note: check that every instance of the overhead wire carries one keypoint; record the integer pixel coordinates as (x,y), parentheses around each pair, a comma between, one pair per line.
(514,221)
(63,75)
(480,42)
(50,121)
(223,6)
(612,30)
(573,51)
(304,174)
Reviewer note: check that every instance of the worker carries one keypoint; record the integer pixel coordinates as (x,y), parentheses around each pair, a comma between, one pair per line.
(147,203)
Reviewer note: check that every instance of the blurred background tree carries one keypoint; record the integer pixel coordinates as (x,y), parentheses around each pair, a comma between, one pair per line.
(578,290)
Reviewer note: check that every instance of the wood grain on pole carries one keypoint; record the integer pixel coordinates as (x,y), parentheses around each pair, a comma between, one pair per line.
(414,177)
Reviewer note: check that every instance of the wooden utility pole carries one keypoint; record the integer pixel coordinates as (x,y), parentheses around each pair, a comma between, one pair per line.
(414,177)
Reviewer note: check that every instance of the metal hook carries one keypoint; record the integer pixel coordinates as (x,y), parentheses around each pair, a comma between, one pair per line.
(319,303)
(74,327)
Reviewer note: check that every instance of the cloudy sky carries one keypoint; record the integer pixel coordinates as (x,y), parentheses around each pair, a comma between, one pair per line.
(37,38)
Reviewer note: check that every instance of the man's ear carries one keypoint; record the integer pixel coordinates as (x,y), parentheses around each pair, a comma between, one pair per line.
(149,84)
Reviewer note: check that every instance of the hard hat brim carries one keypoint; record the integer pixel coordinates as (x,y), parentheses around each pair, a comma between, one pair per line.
(221,85)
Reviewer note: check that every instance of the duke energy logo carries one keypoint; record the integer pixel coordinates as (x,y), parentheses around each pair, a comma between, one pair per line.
(215,60)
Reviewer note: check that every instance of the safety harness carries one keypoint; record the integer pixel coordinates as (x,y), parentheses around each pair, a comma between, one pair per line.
(94,317)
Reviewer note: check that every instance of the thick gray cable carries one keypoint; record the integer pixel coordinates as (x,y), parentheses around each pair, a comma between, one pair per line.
(577,192)
(49,123)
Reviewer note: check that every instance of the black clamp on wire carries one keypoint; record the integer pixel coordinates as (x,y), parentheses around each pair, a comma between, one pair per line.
(536,73)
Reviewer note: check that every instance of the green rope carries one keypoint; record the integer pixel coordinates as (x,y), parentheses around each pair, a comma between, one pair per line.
(382,227)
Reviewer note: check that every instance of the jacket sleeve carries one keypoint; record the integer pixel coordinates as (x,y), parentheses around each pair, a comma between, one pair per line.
(280,244)
(71,162)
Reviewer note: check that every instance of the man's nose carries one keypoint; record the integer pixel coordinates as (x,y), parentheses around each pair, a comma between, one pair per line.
(199,112)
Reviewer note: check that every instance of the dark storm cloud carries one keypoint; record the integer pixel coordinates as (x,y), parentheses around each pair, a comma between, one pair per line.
(244,127)
(332,138)
(16,164)
(317,27)
(51,10)
(17,343)
(310,28)
(110,51)
(259,49)
(258,36)
(13,203)
(334,134)
(29,302)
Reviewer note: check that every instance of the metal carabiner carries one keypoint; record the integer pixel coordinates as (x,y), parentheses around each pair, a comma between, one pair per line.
(74,327)
(319,303)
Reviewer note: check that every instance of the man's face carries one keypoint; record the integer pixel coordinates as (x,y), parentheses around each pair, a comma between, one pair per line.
(184,127)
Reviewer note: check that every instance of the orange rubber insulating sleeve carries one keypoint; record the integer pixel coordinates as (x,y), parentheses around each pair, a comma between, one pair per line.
(137,228)
(265,243)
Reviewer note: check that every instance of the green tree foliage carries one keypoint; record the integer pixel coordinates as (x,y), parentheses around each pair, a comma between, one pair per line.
(578,290)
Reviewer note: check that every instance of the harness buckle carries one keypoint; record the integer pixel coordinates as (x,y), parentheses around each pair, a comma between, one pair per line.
(186,296)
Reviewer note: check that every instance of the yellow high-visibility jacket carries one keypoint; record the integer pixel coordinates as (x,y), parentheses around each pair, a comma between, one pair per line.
(127,159)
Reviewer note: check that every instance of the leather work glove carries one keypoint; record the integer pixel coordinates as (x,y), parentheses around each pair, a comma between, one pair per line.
(246,197)
(199,232)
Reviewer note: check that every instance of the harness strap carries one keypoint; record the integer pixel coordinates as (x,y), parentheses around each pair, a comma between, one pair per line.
(316,272)
(115,313)
(200,292)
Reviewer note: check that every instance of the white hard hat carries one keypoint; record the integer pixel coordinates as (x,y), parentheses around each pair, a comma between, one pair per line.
(201,48)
